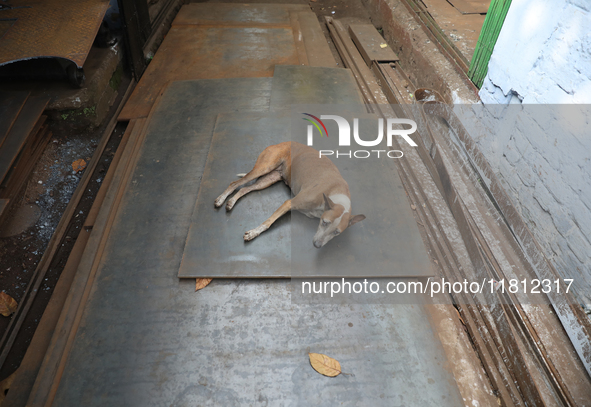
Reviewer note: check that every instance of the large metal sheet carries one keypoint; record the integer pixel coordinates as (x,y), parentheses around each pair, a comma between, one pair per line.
(215,246)
(196,52)
(50,28)
(147,339)
(237,14)
(386,244)
(294,85)
(166,181)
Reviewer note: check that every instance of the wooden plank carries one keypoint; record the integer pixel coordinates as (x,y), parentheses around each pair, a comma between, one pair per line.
(11,104)
(317,49)
(195,52)
(370,44)
(21,130)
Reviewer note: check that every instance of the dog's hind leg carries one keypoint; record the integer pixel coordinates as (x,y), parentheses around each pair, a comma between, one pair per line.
(262,183)
(283,209)
(270,159)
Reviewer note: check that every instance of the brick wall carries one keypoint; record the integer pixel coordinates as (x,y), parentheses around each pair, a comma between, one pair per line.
(543,56)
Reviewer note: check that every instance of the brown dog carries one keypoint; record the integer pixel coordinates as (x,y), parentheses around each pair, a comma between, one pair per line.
(319,189)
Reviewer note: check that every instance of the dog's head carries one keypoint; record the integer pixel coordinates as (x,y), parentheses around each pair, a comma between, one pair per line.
(335,219)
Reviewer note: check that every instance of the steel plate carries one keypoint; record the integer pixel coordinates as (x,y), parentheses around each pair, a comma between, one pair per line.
(51,28)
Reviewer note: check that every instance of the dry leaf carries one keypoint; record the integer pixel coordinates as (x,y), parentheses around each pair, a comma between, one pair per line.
(325,365)
(201,283)
(383,45)
(7,304)
(79,165)
(459,316)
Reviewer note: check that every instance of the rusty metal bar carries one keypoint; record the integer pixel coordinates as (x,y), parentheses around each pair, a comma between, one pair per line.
(500,376)
(499,331)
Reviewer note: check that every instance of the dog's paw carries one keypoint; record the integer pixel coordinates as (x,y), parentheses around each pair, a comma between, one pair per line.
(251,234)
(230,204)
(219,201)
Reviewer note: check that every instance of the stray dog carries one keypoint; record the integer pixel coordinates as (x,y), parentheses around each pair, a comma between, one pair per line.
(319,189)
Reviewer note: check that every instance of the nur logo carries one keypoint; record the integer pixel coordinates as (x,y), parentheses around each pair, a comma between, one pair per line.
(393,127)
(310,129)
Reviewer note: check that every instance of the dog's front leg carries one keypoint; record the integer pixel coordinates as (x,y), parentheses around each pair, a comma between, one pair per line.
(283,209)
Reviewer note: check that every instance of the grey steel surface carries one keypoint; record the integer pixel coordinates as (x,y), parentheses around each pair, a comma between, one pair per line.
(191,52)
(386,244)
(237,14)
(147,339)
(293,84)
(215,245)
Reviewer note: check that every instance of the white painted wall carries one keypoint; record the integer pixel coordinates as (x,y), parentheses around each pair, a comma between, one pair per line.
(543,56)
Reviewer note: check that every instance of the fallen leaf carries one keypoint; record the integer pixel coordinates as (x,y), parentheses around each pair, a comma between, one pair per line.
(201,283)
(325,365)
(79,165)
(413,207)
(459,316)
(383,45)
(7,304)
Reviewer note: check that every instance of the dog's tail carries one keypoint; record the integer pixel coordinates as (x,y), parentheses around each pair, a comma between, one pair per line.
(241,175)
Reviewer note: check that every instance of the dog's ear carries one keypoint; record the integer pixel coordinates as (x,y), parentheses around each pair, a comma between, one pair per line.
(355,219)
(328,204)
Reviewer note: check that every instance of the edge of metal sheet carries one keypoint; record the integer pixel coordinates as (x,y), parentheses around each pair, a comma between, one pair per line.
(370,43)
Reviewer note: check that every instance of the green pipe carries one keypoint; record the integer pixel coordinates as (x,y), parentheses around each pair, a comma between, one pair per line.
(493,22)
